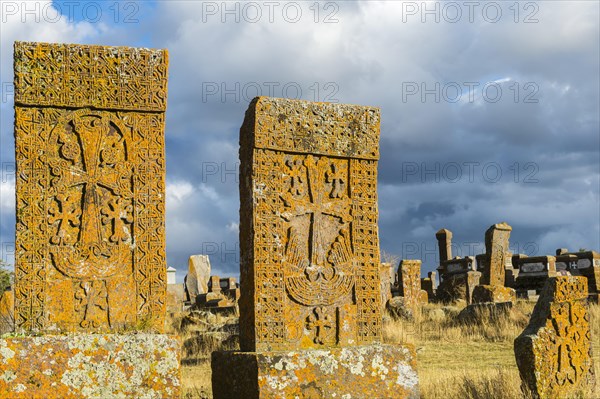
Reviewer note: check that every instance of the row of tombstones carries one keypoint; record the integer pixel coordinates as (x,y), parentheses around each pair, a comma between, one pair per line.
(496,276)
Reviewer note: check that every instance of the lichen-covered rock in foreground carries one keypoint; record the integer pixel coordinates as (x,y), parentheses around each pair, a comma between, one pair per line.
(90,366)
(358,372)
(554,353)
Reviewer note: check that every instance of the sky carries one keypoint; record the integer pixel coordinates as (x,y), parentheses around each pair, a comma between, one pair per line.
(490,110)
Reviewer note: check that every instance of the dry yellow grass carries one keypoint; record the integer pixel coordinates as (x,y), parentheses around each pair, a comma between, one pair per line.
(455,360)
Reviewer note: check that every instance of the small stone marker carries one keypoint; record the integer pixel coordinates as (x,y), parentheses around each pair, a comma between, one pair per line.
(429,285)
(310,306)
(223,293)
(554,353)
(90,244)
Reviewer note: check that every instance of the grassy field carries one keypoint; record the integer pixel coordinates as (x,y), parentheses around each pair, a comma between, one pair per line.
(455,360)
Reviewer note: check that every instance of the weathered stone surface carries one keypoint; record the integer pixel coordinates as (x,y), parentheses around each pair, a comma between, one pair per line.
(7,316)
(175,297)
(485,312)
(409,283)
(429,285)
(386,283)
(359,372)
(554,353)
(90,233)
(458,287)
(497,254)
(196,281)
(588,265)
(493,293)
(308,225)
(533,273)
(90,245)
(90,366)
(400,308)
(311,316)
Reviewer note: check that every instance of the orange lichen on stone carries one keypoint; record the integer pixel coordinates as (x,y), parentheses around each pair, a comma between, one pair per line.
(90,233)
(308,225)
(357,372)
(7,316)
(554,353)
(310,306)
(90,366)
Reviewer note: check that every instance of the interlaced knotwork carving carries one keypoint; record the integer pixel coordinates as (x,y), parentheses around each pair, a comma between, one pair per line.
(90,186)
(308,225)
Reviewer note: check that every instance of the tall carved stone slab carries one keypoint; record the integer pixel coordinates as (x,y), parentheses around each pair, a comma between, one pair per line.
(497,253)
(90,245)
(554,353)
(310,306)
(89,139)
(308,225)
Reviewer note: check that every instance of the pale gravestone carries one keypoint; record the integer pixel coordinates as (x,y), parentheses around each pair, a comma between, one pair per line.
(310,306)
(196,280)
(554,353)
(409,283)
(90,245)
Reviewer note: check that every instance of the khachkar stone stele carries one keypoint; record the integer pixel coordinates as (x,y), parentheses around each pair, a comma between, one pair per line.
(310,306)
(554,353)
(90,245)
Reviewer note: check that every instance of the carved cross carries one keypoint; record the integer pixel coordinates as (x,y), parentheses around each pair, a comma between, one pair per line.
(117,211)
(66,211)
(93,299)
(94,136)
(319,203)
(320,323)
(562,319)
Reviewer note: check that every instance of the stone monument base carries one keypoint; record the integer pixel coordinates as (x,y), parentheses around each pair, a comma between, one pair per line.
(90,366)
(373,371)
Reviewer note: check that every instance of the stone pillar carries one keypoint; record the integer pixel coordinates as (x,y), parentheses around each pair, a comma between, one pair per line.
(444,239)
(497,252)
(90,245)
(310,301)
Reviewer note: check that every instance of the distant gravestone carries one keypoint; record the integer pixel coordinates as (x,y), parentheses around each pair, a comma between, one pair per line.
(310,306)
(497,253)
(554,353)
(493,267)
(409,283)
(196,281)
(90,245)
(386,283)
